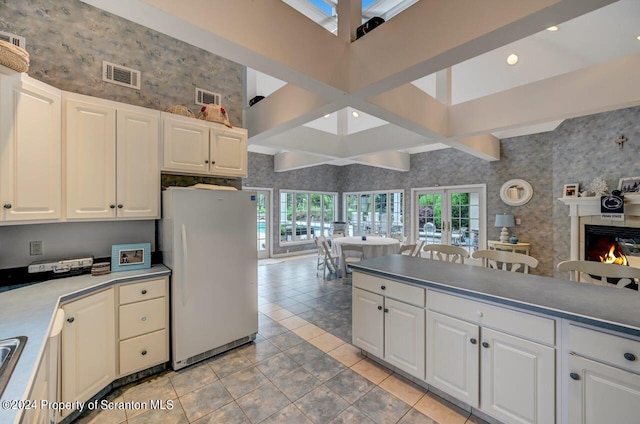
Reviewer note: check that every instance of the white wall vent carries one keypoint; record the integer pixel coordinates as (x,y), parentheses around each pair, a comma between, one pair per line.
(204,97)
(16,40)
(120,75)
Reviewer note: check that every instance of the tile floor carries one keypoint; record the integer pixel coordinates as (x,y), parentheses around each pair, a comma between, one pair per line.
(301,369)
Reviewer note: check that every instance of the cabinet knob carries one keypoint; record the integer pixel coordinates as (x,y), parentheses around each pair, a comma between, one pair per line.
(70,319)
(386,311)
(473,341)
(144,291)
(143,353)
(574,376)
(379,308)
(120,206)
(112,206)
(630,357)
(480,314)
(143,319)
(383,287)
(485,344)
(7,206)
(206,161)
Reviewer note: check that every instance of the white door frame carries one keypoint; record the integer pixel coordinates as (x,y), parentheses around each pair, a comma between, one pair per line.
(269,215)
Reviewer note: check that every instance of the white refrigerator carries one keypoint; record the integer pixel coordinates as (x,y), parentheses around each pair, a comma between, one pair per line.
(208,239)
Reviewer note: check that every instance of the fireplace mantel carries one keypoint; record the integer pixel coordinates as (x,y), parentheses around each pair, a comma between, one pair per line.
(590,206)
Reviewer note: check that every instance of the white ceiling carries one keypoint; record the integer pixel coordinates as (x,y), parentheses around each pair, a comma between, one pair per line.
(390,76)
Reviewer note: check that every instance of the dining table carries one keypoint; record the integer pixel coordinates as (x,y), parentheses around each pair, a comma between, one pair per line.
(372,246)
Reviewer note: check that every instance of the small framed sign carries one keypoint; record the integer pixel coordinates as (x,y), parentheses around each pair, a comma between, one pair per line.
(125,257)
(629,185)
(570,190)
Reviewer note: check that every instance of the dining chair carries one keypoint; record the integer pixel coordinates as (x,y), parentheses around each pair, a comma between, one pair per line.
(599,273)
(505,260)
(402,239)
(329,261)
(417,252)
(351,253)
(321,255)
(407,249)
(446,253)
(337,233)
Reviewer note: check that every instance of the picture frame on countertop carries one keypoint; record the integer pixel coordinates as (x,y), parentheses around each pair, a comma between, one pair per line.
(570,190)
(126,257)
(629,185)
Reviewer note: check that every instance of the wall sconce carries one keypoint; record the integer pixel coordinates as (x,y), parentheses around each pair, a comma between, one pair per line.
(620,141)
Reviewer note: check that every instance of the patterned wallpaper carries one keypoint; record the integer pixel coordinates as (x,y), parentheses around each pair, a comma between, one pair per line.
(68,40)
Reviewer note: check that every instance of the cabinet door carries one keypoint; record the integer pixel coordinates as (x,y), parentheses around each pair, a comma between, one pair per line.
(368,322)
(88,346)
(518,379)
(599,393)
(30,142)
(138,171)
(228,152)
(91,160)
(404,337)
(185,145)
(453,360)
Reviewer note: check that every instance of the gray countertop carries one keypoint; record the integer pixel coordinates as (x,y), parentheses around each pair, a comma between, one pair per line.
(29,311)
(606,307)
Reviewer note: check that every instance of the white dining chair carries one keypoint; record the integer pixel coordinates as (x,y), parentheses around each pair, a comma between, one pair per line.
(407,249)
(445,252)
(417,251)
(351,253)
(330,261)
(599,273)
(505,260)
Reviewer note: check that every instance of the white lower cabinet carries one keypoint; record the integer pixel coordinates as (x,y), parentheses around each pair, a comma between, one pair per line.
(390,329)
(604,388)
(504,375)
(88,346)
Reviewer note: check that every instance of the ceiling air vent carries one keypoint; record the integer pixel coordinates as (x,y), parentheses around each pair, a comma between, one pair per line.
(120,75)
(16,40)
(204,97)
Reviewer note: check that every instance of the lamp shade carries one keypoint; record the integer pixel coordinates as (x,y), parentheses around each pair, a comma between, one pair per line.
(505,220)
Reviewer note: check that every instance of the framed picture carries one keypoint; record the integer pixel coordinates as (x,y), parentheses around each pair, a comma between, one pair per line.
(125,257)
(571,190)
(629,185)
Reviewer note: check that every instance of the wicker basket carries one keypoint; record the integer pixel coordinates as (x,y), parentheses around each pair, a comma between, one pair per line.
(14,57)
(181,110)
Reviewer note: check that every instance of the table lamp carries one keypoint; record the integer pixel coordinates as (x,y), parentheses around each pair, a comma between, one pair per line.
(505,221)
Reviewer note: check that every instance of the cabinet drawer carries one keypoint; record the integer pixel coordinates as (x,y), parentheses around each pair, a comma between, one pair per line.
(393,289)
(143,290)
(605,347)
(518,323)
(143,352)
(142,317)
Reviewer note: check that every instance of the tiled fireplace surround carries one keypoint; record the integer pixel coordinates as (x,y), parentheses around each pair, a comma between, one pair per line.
(586,211)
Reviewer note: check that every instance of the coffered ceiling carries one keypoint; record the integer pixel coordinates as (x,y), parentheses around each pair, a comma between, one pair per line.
(433,76)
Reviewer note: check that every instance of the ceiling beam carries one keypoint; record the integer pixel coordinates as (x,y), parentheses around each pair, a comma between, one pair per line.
(394,160)
(288,161)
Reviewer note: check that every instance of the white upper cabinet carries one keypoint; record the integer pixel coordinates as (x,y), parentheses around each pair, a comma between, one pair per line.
(198,147)
(30,159)
(111,159)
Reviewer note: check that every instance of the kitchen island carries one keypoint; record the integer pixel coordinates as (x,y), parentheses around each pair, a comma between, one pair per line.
(30,311)
(509,347)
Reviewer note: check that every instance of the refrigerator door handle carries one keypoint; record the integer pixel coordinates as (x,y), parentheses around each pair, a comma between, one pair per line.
(185,264)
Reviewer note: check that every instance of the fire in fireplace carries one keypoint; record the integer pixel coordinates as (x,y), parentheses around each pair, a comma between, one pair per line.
(609,244)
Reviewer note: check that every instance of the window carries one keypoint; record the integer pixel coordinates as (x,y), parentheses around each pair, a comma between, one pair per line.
(379,213)
(305,215)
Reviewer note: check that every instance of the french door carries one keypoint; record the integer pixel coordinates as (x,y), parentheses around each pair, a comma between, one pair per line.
(263,205)
(450,215)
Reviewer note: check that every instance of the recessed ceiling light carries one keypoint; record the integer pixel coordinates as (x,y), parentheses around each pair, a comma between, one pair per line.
(355,114)
(512,59)
(327,115)
(553,28)
(638,37)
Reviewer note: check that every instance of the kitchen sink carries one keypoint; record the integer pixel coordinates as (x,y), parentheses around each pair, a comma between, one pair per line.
(10,350)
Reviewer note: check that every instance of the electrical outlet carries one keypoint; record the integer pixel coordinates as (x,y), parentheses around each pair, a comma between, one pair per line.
(518,221)
(35,248)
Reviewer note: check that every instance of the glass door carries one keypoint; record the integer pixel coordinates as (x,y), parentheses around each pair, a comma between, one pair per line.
(452,216)
(263,204)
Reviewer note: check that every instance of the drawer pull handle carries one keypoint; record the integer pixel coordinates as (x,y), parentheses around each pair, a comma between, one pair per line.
(144,291)
(485,344)
(574,376)
(70,319)
(383,287)
(386,311)
(143,319)
(144,352)
(473,341)
(630,357)
(379,308)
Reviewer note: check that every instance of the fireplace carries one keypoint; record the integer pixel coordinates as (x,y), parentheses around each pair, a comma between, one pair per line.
(610,244)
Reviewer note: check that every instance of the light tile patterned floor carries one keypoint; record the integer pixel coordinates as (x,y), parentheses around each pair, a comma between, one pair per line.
(301,369)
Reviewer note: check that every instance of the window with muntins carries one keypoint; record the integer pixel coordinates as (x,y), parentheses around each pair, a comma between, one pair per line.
(305,215)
